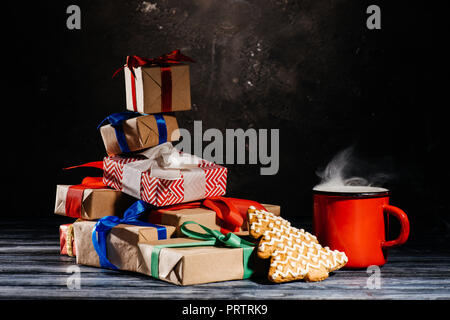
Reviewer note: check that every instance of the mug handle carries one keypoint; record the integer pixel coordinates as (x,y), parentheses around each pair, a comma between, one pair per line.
(404,226)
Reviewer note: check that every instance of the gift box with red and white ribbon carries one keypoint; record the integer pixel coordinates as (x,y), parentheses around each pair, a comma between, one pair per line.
(159,84)
(162,176)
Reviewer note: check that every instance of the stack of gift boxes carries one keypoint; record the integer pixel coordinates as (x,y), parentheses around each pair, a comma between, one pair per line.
(156,210)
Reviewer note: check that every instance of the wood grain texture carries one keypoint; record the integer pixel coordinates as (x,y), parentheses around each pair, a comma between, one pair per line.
(32,268)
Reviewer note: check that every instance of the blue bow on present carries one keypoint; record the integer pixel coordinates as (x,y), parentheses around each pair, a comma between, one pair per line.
(105,224)
(116,120)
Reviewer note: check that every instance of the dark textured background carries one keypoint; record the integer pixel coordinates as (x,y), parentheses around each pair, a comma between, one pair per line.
(310,68)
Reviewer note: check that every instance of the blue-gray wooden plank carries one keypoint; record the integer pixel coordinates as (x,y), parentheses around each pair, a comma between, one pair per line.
(32,268)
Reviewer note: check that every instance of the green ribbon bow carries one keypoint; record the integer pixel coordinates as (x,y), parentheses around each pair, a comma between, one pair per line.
(211,238)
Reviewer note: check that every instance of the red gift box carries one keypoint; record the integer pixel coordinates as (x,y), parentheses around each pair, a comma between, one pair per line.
(202,180)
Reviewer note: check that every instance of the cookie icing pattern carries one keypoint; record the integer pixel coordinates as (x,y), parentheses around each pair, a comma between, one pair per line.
(295,254)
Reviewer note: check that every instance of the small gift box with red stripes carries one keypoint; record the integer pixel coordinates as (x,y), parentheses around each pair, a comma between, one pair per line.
(159,84)
(162,176)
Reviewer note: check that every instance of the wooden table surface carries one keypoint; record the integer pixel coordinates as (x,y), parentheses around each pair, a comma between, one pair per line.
(32,268)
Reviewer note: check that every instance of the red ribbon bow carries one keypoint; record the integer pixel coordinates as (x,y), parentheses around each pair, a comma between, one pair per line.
(174,57)
(231,211)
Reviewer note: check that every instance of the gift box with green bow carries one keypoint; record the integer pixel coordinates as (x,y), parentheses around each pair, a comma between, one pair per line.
(201,257)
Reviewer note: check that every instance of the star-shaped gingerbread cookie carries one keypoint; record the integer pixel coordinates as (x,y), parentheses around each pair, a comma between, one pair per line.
(295,254)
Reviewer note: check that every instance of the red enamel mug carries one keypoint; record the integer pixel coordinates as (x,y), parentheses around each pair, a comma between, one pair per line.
(355,220)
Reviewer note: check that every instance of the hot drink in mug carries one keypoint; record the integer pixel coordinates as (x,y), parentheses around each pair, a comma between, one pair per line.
(354,219)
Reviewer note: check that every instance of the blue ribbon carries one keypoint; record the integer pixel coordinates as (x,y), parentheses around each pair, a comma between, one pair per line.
(116,120)
(162,128)
(105,224)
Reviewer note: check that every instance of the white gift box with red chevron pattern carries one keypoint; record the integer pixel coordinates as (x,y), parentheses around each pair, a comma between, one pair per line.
(162,192)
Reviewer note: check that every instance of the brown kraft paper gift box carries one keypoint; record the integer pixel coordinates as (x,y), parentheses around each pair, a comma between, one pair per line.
(140,133)
(203,216)
(147,89)
(96,203)
(196,265)
(121,245)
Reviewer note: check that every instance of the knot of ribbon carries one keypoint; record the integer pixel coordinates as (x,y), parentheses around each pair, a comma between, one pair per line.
(173,57)
(116,120)
(215,237)
(165,162)
(131,216)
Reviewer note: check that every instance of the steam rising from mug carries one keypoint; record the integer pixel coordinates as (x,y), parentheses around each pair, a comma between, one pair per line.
(338,173)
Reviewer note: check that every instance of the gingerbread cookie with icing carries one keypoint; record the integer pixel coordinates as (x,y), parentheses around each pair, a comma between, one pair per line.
(295,254)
